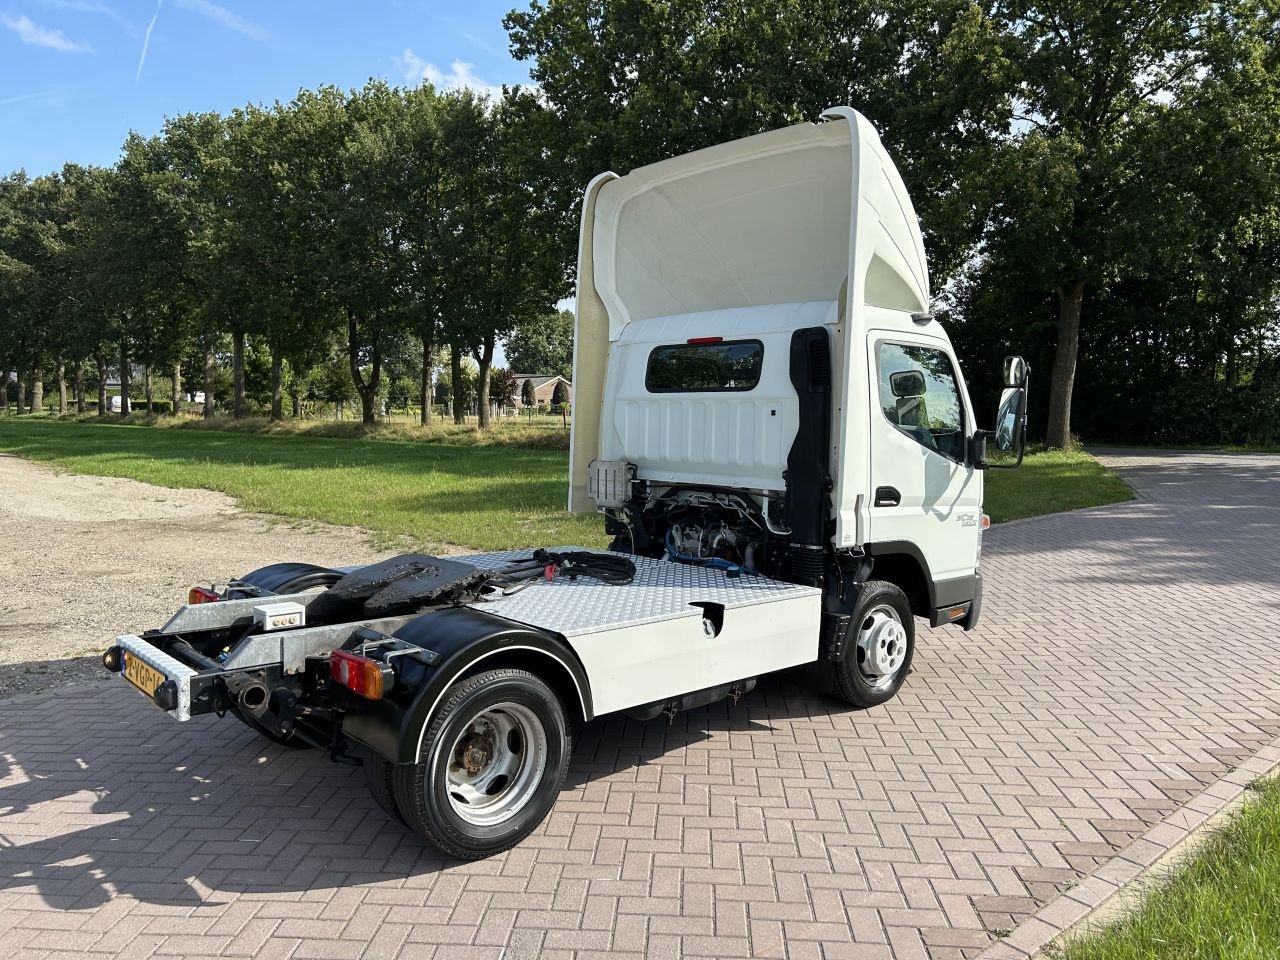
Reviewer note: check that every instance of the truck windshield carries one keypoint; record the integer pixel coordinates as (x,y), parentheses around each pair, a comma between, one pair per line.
(926,407)
(702,367)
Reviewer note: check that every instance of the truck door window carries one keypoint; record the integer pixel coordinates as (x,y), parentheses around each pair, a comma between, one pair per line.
(926,407)
(732,365)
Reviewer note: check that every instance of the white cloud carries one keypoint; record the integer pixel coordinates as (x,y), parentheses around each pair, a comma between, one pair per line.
(459,76)
(37,36)
(225,18)
(92,6)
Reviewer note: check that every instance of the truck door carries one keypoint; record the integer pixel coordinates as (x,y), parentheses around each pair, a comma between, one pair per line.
(925,500)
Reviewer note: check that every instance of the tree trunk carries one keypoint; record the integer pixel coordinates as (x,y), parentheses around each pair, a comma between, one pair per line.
(124,377)
(368,391)
(100,358)
(4,392)
(78,385)
(22,390)
(37,390)
(62,389)
(484,358)
(1070,298)
(424,387)
(237,374)
(147,390)
(210,382)
(297,405)
(175,394)
(277,383)
(455,367)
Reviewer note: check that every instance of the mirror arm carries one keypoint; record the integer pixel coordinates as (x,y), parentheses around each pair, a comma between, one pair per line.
(978,448)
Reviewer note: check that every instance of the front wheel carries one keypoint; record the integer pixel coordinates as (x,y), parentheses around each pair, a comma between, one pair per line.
(496,755)
(880,646)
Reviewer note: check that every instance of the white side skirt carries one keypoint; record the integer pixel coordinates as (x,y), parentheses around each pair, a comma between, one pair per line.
(658,661)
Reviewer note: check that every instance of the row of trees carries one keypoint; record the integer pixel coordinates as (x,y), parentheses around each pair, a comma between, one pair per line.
(342,225)
(1099,184)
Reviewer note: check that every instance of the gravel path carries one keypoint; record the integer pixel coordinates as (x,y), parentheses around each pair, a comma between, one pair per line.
(85,558)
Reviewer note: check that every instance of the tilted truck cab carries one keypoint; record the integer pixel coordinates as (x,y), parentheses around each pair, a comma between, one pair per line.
(780,441)
(753,323)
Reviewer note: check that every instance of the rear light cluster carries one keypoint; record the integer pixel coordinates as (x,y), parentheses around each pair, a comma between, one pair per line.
(202,595)
(370,679)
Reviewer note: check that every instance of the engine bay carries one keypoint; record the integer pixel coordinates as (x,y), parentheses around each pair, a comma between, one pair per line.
(727,529)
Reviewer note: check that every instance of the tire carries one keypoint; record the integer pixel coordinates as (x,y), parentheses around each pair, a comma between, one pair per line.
(379,775)
(882,641)
(502,734)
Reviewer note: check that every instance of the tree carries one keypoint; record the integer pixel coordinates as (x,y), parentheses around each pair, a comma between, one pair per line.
(502,387)
(527,396)
(560,395)
(1082,204)
(543,345)
(502,212)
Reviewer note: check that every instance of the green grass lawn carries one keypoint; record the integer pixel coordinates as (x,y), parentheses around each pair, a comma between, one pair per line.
(1224,904)
(486,491)
(1050,481)
(481,496)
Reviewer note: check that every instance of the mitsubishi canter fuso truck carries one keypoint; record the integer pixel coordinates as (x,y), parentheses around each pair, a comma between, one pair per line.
(779,440)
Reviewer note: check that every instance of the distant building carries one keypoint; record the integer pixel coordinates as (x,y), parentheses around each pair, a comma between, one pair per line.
(544,386)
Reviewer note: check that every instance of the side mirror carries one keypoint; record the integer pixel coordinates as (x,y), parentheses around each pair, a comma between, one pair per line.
(1010,434)
(1011,419)
(907,384)
(1015,372)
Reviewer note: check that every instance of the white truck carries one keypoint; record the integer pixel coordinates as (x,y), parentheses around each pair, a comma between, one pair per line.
(781,443)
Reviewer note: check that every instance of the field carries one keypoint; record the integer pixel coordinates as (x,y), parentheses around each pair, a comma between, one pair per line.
(494,491)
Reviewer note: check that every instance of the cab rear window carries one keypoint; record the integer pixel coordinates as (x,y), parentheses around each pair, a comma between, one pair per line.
(726,366)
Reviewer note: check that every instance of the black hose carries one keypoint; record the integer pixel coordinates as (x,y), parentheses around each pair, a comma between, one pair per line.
(611,568)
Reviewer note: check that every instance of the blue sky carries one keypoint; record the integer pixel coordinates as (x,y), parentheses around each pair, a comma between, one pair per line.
(74,82)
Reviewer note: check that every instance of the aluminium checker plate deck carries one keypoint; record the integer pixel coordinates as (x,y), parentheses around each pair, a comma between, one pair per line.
(662,590)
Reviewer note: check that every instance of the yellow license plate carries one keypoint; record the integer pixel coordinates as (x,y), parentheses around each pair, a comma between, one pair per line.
(142,675)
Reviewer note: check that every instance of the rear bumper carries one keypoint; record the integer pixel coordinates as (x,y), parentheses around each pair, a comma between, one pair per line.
(174,671)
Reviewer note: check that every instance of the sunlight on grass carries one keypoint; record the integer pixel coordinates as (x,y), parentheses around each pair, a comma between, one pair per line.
(1050,481)
(484,496)
(1223,905)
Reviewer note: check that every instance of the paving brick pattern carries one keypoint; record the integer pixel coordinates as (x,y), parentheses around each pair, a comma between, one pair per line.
(1127,659)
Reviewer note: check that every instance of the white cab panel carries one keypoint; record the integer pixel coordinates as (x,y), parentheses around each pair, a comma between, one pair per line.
(735,438)
(940,498)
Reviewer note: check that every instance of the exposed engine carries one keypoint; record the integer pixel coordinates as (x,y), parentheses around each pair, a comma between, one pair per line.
(714,528)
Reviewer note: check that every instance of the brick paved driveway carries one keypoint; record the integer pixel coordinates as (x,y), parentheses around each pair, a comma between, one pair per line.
(1127,658)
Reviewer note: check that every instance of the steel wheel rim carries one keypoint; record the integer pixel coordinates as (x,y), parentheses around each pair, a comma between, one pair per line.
(495,764)
(881,646)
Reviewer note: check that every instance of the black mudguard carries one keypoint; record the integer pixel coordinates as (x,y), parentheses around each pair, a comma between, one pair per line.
(290,577)
(461,638)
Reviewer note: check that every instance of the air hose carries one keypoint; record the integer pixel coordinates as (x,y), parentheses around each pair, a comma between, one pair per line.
(733,569)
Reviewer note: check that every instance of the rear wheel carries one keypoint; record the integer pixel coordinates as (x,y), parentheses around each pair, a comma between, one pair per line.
(379,775)
(881,643)
(496,755)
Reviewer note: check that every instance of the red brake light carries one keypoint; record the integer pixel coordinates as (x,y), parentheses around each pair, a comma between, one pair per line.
(202,595)
(369,678)
(704,340)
